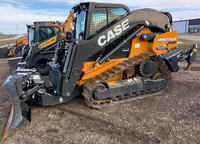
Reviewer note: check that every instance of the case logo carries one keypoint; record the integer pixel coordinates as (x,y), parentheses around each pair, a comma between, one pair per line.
(118,29)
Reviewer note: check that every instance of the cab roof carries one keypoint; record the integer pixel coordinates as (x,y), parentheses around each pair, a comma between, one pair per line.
(85,5)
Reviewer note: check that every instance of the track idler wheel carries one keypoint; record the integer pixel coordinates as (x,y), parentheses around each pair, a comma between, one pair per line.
(99,88)
(148,68)
(158,76)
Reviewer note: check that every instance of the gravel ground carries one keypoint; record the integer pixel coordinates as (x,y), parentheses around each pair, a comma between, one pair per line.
(173,117)
(4,36)
(190,37)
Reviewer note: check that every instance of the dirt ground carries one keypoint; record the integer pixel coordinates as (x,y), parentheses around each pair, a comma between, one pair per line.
(3,36)
(173,117)
(190,37)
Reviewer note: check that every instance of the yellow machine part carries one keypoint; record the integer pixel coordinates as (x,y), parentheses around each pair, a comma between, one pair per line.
(19,42)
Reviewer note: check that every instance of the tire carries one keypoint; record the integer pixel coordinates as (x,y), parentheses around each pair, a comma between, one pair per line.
(39,62)
(18,50)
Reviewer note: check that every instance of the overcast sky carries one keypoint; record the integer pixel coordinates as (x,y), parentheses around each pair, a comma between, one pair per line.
(15,15)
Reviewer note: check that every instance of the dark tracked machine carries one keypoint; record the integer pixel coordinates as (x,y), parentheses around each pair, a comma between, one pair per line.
(43,37)
(113,56)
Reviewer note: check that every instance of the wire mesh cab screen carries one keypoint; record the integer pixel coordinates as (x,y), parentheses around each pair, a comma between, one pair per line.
(103,18)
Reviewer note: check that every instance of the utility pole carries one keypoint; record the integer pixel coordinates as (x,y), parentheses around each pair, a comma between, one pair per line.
(17,28)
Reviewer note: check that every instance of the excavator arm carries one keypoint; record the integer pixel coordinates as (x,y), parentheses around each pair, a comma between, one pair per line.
(68,22)
(66,27)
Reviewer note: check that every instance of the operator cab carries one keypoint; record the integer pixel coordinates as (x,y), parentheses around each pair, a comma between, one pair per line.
(39,32)
(42,31)
(93,18)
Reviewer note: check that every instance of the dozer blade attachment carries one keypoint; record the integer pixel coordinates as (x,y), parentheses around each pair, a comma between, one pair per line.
(4,51)
(20,113)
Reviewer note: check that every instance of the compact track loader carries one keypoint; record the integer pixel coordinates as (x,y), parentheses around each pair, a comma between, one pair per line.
(42,41)
(14,50)
(21,42)
(113,56)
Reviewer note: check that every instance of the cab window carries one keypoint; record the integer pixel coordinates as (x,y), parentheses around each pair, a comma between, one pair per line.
(115,14)
(80,25)
(45,33)
(103,18)
(98,21)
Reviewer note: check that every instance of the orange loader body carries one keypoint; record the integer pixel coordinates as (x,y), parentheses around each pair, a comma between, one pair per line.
(138,46)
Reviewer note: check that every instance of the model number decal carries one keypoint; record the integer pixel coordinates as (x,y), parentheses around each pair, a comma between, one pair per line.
(167,39)
(44,44)
(103,39)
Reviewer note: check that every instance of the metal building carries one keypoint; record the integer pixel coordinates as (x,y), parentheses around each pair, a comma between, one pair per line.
(187,26)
